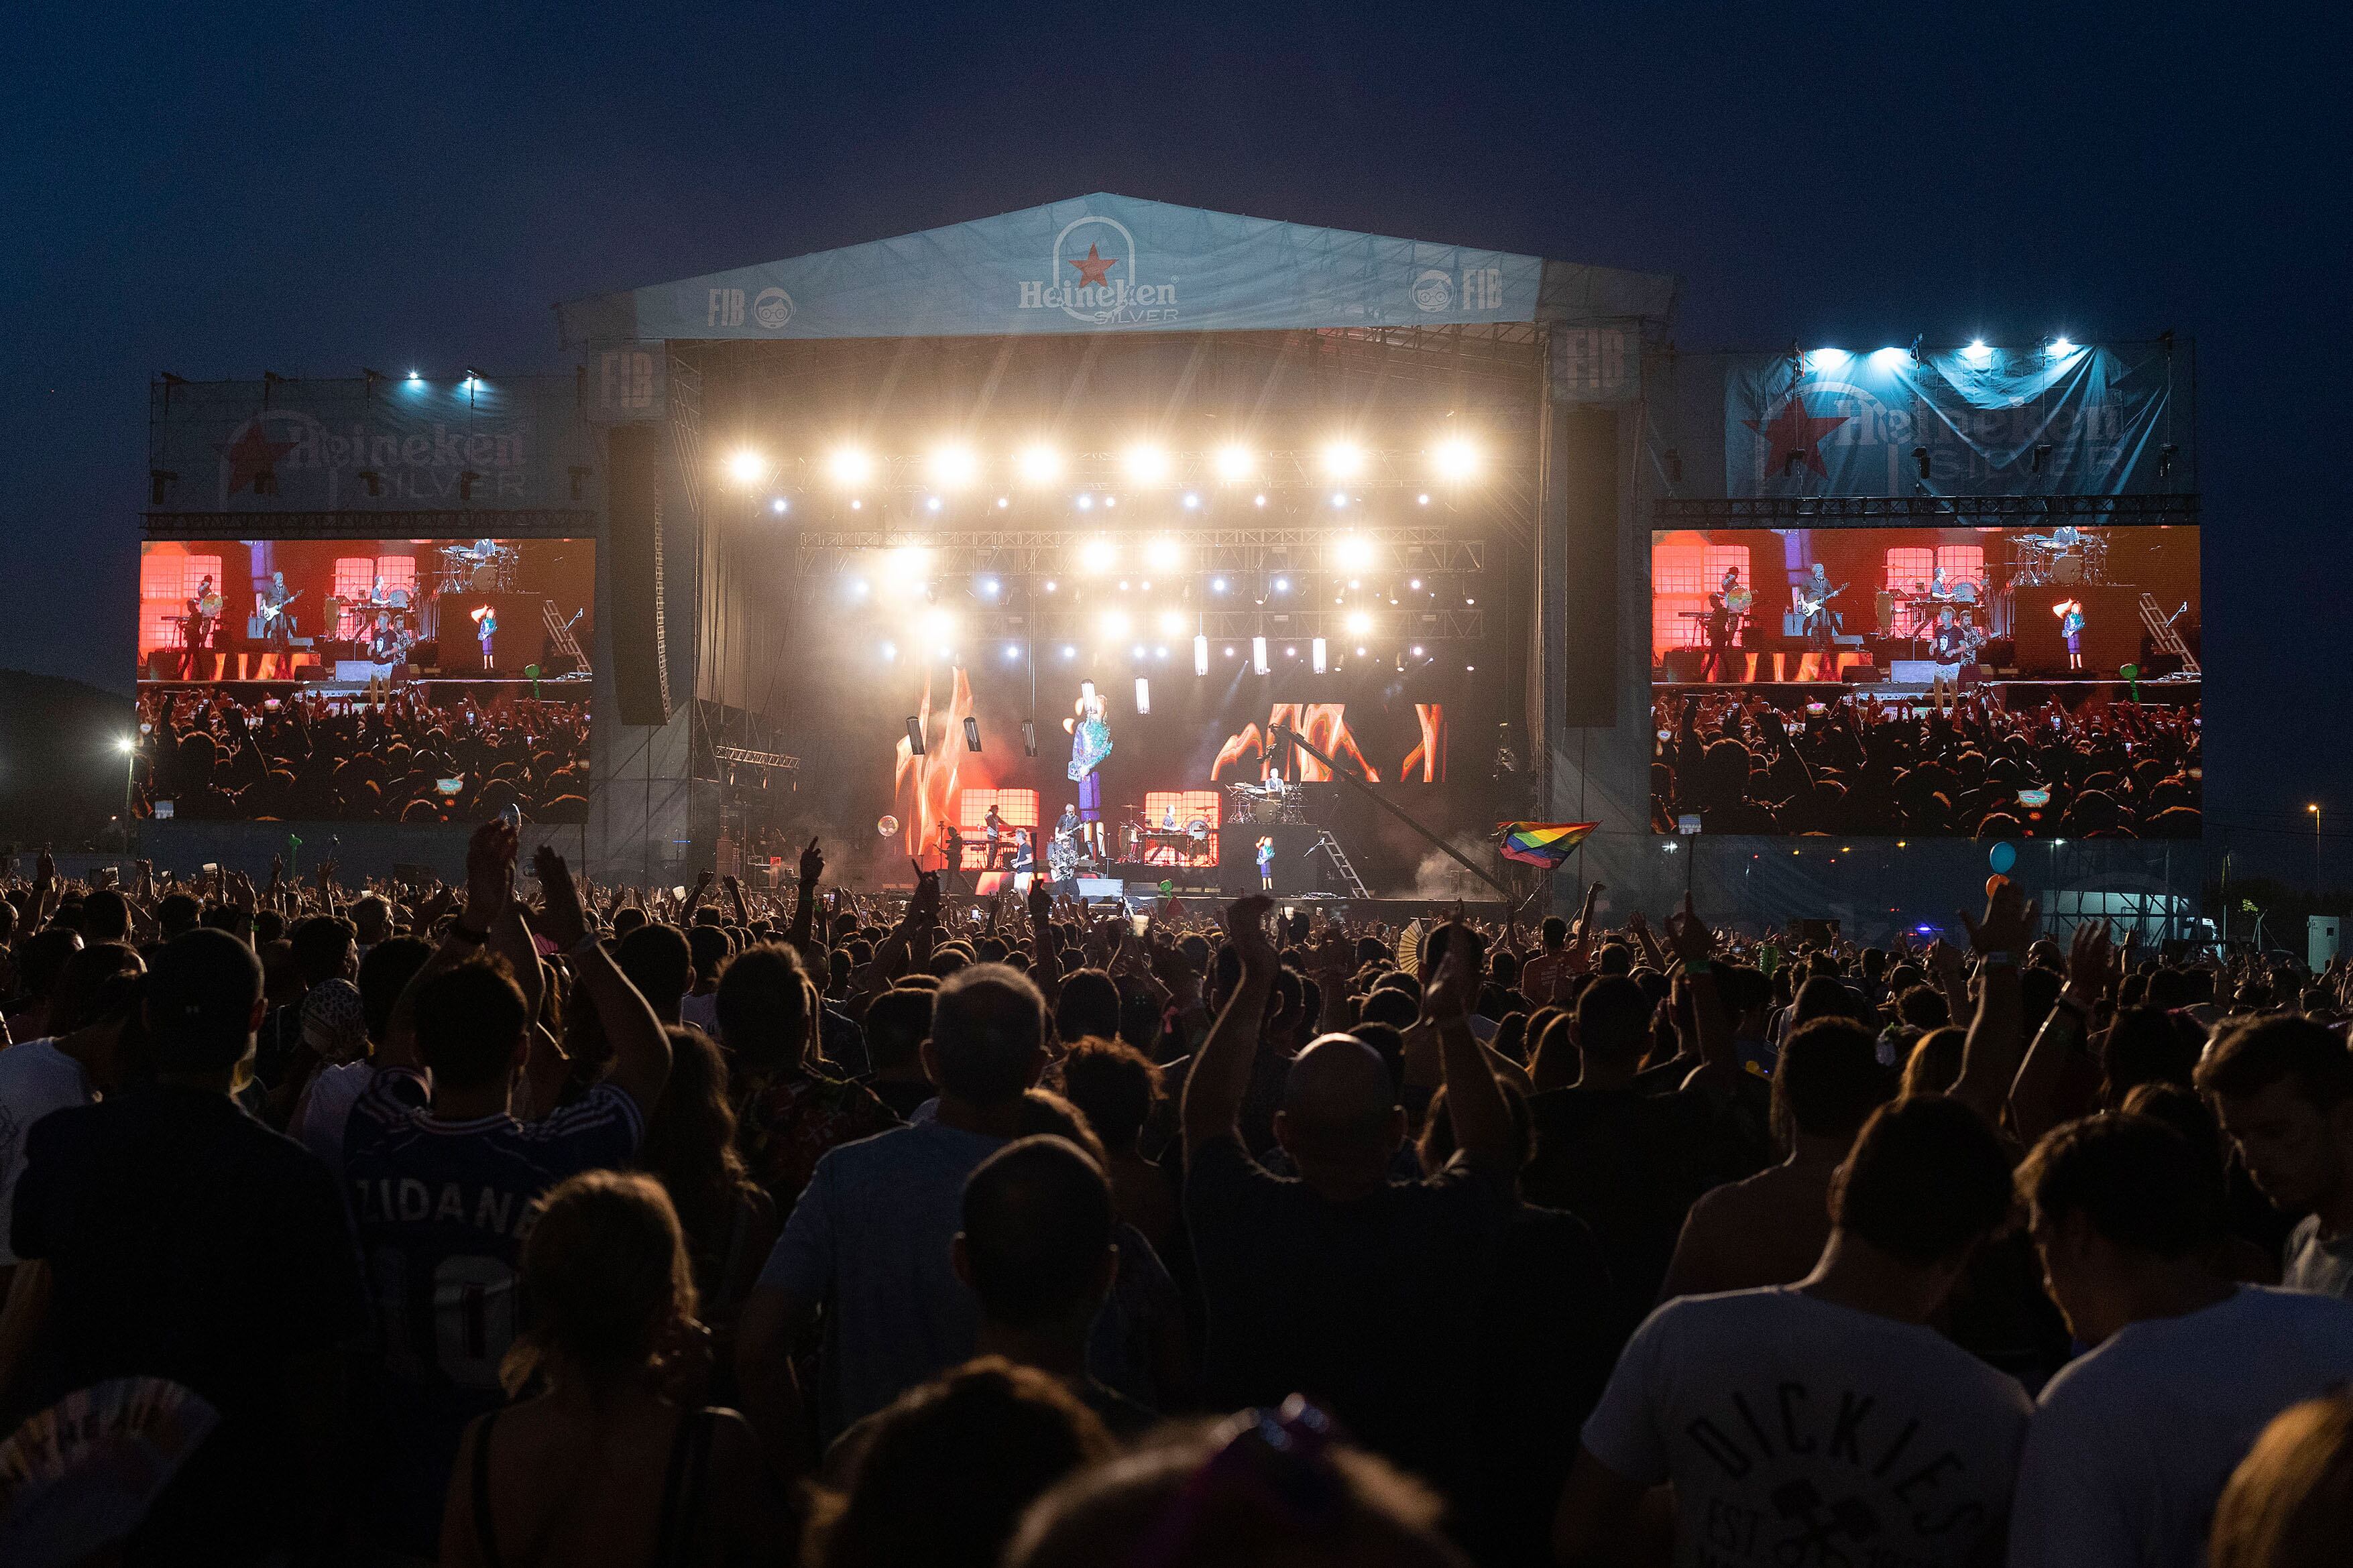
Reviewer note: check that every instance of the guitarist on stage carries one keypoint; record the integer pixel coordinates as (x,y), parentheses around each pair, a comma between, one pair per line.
(1814,596)
(1725,607)
(272,605)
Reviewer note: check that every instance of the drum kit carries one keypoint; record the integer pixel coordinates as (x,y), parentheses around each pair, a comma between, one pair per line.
(2068,556)
(1271,802)
(484,566)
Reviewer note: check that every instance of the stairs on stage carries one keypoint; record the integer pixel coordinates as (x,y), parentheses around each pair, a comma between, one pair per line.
(2161,633)
(560,638)
(1331,846)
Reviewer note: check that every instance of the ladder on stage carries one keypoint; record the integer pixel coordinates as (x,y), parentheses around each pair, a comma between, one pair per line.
(1331,846)
(2161,633)
(560,638)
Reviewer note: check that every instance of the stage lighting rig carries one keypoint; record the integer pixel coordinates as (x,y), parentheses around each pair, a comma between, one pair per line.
(746,467)
(1234,463)
(1343,460)
(1455,458)
(850,467)
(1038,465)
(952,466)
(1145,464)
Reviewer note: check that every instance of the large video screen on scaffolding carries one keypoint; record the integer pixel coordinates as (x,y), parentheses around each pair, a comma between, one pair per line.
(364,680)
(1990,682)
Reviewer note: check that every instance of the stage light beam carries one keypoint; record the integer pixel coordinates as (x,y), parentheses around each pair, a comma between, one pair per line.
(1200,655)
(1097,555)
(1344,460)
(1354,552)
(1257,655)
(1318,652)
(1359,623)
(1455,458)
(1163,554)
(1234,462)
(746,467)
(1039,465)
(952,466)
(1145,464)
(1115,625)
(850,467)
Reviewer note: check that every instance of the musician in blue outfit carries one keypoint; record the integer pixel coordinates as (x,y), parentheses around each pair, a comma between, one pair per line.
(1090,730)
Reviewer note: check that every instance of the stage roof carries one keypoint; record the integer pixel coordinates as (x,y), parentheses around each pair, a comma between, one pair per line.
(1102,263)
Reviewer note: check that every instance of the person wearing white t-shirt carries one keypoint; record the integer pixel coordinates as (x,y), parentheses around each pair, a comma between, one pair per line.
(36,1079)
(2132,1442)
(1824,1422)
(94,997)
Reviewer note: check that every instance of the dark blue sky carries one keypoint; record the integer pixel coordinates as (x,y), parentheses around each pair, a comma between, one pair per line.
(217,190)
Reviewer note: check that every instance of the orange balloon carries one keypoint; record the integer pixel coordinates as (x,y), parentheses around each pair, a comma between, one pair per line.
(1995,883)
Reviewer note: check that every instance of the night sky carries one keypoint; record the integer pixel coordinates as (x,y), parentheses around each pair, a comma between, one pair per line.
(220,189)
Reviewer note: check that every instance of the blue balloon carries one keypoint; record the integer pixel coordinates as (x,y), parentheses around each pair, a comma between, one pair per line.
(2002,856)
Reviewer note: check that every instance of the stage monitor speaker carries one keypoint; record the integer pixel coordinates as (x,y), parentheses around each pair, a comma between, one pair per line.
(641,688)
(1580,487)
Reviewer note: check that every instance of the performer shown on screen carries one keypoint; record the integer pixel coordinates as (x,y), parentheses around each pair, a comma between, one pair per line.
(1725,607)
(486,631)
(1090,730)
(995,825)
(1266,865)
(1168,818)
(196,627)
(951,859)
(274,606)
(2071,626)
(1813,601)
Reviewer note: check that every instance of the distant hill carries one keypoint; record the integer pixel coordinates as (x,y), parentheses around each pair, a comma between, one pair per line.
(61,766)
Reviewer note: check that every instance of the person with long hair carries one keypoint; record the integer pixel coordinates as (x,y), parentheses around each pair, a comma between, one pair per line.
(2290,1503)
(599,1465)
(729,1220)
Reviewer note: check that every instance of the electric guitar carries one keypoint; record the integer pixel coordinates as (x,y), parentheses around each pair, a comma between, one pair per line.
(1812,606)
(270,612)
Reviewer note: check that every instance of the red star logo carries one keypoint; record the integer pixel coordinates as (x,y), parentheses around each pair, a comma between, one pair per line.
(1795,430)
(1091,267)
(250,454)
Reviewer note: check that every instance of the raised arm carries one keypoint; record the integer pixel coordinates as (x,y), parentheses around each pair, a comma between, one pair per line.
(1045,958)
(490,888)
(1694,946)
(1989,1057)
(2034,1093)
(640,1046)
(1474,1102)
(1221,1070)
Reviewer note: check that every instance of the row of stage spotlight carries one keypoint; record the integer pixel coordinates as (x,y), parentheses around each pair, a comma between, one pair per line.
(1262,653)
(955,466)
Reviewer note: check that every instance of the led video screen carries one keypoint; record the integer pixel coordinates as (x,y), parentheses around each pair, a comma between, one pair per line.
(406,681)
(1955,681)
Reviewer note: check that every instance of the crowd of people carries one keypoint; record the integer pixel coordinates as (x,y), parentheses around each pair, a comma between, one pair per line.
(532,1222)
(401,757)
(1760,760)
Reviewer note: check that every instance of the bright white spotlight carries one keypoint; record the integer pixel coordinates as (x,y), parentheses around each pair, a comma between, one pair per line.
(905,569)
(953,466)
(1086,503)
(2062,347)
(1097,555)
(1142,695)
(1416,651)
(1115,623)
(1283,585)
(1354,552)
(1145,464)
(779,506)
(746,467)
(1039,465)
(1234,462)
(850,467)
(987,587)
(1261,501)
(1317,651)
(1826,359)
(1888,359)
(1192,502)
(1339,498)
(1013,650)
(1217,585)
(414,377)
(1172,622)
(1455,458)
(1423,500)
(1344,460)
(1359,623)
(126,745)
(1162,554)
(1049,584)
(1070,652)
(938,625)
(890,650)
(1258,655)
(1200,655)
(931,503)
(1977,353)
(854,586)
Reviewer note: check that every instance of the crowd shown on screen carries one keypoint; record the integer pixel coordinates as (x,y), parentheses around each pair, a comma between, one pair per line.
(530,1221)
(309,757)
(1975,769)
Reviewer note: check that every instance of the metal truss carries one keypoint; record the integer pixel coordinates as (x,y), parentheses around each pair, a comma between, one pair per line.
(481,522)
(1398,468)
(685,399)
(1835,511)
(776,761)
(1332,548)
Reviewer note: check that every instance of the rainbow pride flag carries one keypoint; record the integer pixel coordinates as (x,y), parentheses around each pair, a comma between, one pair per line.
(1545,844)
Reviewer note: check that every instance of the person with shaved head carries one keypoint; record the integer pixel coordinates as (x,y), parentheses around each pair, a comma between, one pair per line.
(1355,1289)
